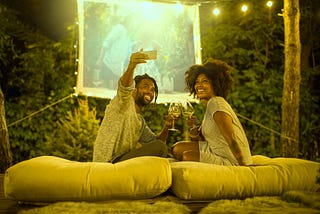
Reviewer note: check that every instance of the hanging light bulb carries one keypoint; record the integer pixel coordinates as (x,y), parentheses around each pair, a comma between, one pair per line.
(244,8)
(269,3)
(216,11)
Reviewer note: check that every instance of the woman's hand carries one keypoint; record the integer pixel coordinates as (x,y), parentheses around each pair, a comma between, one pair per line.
(192,121)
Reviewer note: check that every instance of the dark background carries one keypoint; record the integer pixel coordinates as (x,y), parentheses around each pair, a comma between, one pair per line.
(50,16)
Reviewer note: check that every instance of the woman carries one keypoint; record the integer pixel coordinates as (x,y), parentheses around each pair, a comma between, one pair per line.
(221,138)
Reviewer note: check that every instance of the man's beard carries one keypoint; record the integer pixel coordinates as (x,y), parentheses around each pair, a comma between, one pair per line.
(142,102)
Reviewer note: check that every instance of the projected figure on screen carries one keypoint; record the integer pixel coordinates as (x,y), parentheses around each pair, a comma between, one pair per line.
(114,56)
(147,40)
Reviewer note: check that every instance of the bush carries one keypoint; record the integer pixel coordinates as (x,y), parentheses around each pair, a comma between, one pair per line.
(75,135)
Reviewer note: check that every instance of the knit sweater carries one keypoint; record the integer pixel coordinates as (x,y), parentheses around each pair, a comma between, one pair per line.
(121,129)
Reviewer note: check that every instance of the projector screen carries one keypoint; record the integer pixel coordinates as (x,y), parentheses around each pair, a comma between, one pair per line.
(109,31)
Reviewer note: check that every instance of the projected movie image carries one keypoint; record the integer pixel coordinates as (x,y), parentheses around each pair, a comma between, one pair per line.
(111,30)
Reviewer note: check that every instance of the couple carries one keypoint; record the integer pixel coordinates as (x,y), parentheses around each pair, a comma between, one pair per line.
(124,133)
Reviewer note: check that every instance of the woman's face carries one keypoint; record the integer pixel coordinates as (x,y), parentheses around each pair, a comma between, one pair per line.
(204,90)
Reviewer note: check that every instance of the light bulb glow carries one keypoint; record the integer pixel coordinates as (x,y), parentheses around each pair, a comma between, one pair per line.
(244,8)
(216,11)
(269,3)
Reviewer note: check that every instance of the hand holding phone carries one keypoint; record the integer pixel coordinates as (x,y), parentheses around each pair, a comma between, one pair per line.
(152,55)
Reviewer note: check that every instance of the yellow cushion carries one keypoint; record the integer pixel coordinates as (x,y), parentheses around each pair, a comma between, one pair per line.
(299,174)
(268,176)
(50,179)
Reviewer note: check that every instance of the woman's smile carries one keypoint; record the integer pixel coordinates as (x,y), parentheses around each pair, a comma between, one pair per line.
(203,87)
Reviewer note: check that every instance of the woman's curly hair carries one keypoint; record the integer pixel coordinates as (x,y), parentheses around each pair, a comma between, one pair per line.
(217,71)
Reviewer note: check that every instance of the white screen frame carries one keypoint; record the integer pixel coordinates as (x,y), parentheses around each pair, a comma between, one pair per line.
(165,95)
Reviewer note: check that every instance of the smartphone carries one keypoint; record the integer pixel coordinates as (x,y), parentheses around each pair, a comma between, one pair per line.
(151,54)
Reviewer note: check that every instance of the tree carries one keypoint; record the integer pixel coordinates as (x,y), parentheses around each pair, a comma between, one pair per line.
(76,132)
(309,141)
(35,71)
(291,80)
(251,43)
(5,153)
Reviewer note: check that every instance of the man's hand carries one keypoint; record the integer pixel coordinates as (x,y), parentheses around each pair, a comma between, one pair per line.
(169,120)
(167,125)
(137,58)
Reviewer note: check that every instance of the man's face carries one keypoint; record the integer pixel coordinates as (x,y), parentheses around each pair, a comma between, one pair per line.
(145,92)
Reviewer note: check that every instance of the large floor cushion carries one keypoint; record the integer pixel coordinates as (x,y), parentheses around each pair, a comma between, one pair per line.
(267,177)
(51,179)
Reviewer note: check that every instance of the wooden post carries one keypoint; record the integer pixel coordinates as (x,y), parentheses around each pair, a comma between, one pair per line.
(291,80)
(5,153)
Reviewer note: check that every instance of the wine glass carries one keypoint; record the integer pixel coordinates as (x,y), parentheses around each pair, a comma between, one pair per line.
(187,109)
(187,112)
(174,110)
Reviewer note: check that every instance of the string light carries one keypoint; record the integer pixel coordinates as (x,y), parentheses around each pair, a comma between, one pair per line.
(75,46)
(244,8)
(216,11)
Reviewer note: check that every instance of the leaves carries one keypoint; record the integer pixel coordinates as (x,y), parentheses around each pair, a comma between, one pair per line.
(251,43)
(36,72)
(75,135)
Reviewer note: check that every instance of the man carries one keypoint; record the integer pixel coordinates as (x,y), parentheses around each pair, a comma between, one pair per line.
(123,128)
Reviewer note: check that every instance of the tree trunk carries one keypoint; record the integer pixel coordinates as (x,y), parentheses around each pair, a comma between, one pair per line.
(5,154)
(291,80)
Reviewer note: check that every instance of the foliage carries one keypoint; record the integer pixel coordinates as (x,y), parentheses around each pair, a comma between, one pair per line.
(310,70)
(154,116)
(248,45)
(252,43)
(75,135)
(309,115)
(36,72)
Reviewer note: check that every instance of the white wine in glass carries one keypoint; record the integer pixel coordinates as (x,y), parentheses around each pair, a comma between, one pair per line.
(187,109)
(174,110)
